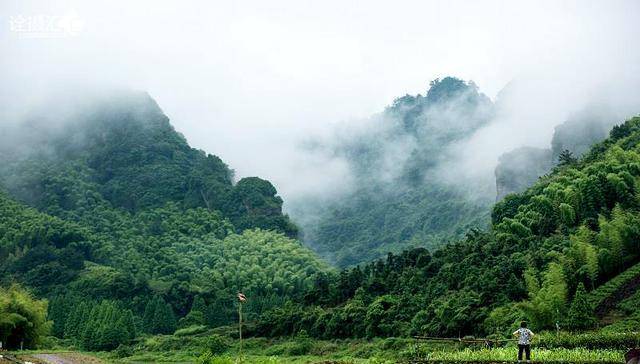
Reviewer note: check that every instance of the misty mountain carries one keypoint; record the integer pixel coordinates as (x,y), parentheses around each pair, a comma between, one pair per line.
(565,239)
(520,168)
(408,186)
(399,196)
(100,198)
(120,148)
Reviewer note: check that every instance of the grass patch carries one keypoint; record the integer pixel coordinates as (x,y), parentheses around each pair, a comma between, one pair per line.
(539,355)
(191,330)
(210,348)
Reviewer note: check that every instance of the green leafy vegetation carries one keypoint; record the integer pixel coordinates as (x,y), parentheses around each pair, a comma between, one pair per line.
(141,243)
(23,318)
(581,314)
(216,347)
(587,340)
(597,296)
(559,355)
(574,229)
(132,231)
(120,151)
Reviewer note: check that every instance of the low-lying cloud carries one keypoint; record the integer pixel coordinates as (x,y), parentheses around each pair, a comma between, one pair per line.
(258,83)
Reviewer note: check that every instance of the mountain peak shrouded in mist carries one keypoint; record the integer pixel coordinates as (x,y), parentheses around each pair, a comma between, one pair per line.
(398,197)
(123,147)
(272,196)
(449,88)
(101,199)
(521,167)
(74,119)
(450,105)
(429,167)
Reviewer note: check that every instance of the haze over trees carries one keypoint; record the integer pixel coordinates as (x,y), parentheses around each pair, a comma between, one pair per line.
(520,168)
(327,182)
(399,198)
(126,231)
(128,221)
(410,182)
(573,230)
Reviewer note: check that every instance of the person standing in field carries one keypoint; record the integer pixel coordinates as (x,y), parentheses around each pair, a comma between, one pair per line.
(524,336)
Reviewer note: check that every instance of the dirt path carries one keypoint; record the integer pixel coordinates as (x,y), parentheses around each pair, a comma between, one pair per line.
(52,359)
(65,358)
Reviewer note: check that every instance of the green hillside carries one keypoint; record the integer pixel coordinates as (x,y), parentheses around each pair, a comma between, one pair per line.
(112,209)
(617,303)
(547,247)
(119,150)
(120,258)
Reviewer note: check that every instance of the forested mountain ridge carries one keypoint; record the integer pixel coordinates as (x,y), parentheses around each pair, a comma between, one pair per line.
(399,198)
(163,258)
(129,221)
(407,184)
(572,231)
(121,149)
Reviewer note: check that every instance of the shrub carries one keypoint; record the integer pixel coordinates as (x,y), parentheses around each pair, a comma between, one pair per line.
(277,349)
(588,340)
(628,324)
(217,344)
(123,351)
(395,344)
(503,320)
(300,348)
(22,318)
(580,314)
(193,318)
(291,348)
(205,358)
(631,305)
(269,360)
(302,344)
(208,358)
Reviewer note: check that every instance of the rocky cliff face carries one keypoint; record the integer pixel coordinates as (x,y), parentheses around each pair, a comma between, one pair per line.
(521,167)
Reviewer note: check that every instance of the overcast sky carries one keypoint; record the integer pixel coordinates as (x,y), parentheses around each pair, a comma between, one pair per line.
(249,80)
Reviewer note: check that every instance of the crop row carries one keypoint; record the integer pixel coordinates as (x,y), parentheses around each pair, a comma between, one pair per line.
(597,296)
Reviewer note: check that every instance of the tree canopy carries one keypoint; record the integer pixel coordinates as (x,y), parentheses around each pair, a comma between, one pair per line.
(113,213)
(571,231)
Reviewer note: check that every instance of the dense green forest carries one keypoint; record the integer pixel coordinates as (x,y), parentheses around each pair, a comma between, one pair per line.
(546,249)
(124,215)
(113,229)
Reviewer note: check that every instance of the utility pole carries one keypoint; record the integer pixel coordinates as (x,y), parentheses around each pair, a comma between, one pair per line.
(241,300)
